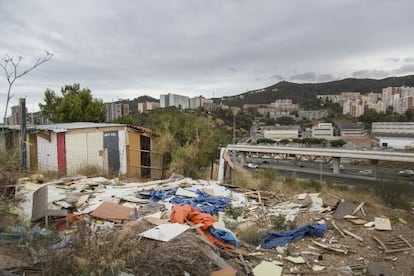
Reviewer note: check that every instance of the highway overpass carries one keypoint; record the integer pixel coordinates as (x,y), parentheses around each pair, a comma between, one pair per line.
(304,153)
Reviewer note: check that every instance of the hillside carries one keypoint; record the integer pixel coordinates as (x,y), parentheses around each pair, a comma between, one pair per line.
(306,92)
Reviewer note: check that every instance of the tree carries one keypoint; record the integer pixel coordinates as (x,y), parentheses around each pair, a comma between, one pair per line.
(191,139)
(11,72)
(337,143)
(75,105)
(285,120)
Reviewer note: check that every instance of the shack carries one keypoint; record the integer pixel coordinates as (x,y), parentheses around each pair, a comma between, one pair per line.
(67,148)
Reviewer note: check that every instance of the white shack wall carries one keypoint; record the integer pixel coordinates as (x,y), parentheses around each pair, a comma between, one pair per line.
(47,153)
(122,140)
(84,149)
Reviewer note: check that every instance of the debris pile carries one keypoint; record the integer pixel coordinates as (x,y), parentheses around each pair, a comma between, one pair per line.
(196,227)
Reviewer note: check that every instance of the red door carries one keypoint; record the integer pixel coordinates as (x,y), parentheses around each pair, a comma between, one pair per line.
(61,152)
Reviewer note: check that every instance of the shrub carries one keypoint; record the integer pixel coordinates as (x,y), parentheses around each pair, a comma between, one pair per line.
(90,170)
(234,212)
(278,222)
(292,179)
(311,184)
(251,235)
(395,193)
(239,180)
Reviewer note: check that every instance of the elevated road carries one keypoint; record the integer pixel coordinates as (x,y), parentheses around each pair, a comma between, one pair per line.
(325,152)
(312,154)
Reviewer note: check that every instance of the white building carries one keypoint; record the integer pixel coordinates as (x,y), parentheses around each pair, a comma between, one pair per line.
(179,101)
(280,132)
(398,135)
(322,130)
(146,106)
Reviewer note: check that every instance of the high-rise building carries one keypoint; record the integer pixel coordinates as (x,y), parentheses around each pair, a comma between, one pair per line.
(116,110)
(179,101)
(146,106)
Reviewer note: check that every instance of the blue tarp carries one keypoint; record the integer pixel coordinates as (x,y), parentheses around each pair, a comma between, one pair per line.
(162,194)
(204,202)
(273,239)
(224,236)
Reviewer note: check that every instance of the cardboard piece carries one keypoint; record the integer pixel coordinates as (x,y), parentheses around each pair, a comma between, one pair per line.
(267,268)
(344,208)
(113,212)
(295,260)
(357,221)
(227,271)
(382,224)
(40,203)
(165,232)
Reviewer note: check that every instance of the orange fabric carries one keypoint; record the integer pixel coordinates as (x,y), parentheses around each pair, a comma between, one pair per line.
(181,213)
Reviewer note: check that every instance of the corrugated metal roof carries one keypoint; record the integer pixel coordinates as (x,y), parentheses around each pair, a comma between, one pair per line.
(61,127)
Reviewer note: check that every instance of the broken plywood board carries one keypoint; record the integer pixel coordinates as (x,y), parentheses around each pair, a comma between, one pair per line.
(344,208)
(165,232)
(382,224)
(113,212)
(357,221)
(267,268)
(394,244)
(227,271)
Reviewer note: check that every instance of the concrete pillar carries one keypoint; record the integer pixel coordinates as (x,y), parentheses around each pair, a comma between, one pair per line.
(220,175)
(336,165)
(375,167)
(243,158)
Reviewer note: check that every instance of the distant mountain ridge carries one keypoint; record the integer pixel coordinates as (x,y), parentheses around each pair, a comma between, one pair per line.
(302,92)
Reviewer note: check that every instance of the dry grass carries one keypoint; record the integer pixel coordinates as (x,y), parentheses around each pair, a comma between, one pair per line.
(90,170)
(125,251)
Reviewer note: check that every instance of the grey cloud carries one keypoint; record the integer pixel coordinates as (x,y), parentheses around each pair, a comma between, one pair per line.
(392,59)
(277,77)
(409,59)
(370,74)
(193,47)
(325,77)
(404,69)
(307,76)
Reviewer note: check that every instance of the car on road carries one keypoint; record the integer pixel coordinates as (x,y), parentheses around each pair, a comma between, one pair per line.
(252,166)
(406,173)
(366,172)
(341,167)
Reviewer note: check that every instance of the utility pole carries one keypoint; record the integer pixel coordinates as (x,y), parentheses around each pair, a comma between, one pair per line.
(234,153)
(320,178)
(23,149)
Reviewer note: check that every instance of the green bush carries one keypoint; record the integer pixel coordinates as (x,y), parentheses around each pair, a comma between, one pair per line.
(395,193)
(239,180)
(311,184)
(278,222)
(251,235)
(266,177)
(292,179)
(234,212)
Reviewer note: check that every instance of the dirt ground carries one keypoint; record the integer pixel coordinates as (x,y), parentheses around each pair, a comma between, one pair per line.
(125,252)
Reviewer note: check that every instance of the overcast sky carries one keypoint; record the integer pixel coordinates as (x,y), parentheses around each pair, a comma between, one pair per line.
(126,49)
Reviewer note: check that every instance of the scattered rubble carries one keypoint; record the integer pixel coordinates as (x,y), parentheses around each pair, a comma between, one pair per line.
(194,227)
